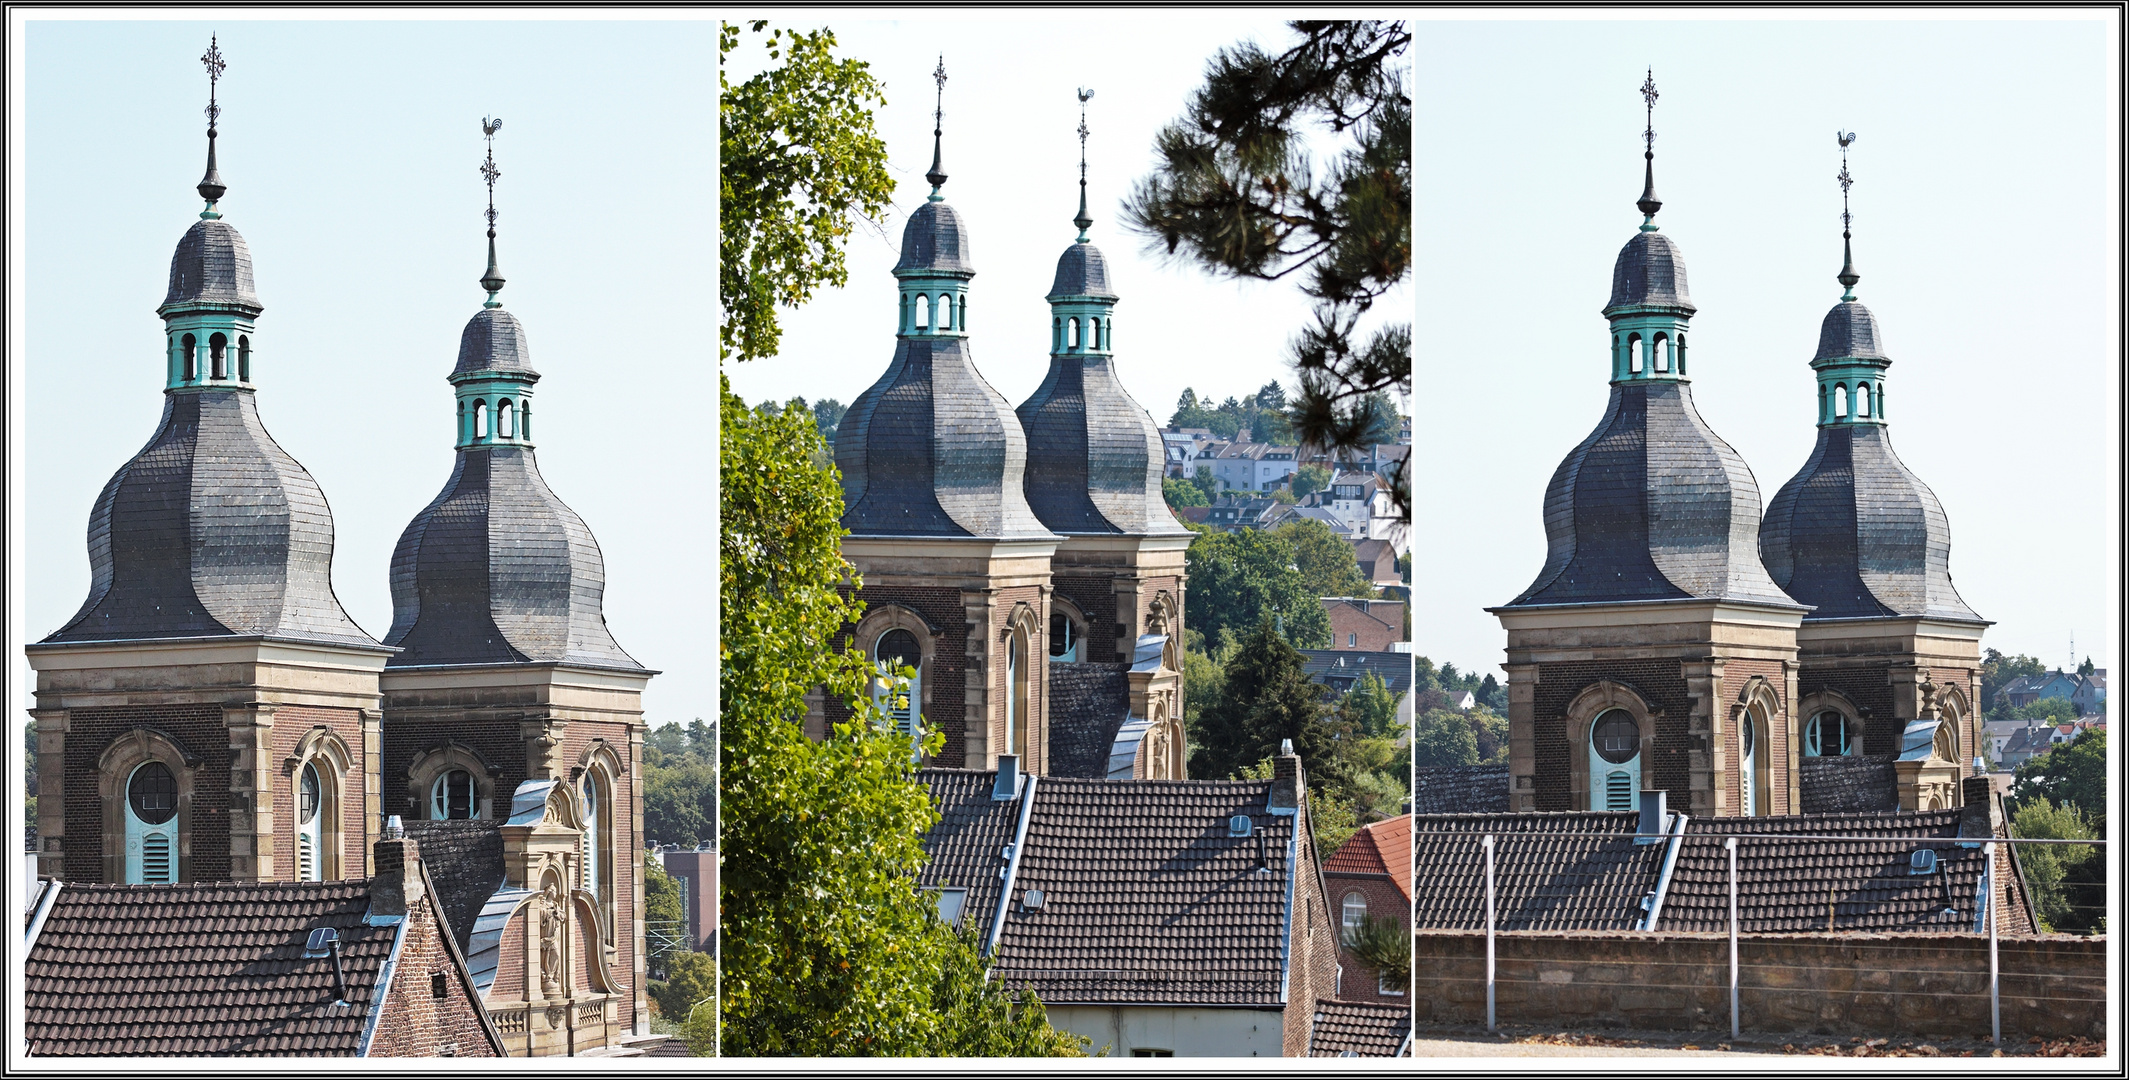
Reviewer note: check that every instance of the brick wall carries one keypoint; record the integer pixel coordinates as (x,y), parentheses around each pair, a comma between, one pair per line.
(1774,743)
(417,1023)
(1312,972)
(291,724)
(405,740)
(1871,690)
(946,683)
(1373,630)
(576,739)
(509,984)
(1095,597)
(201,729)
(1384,902)
(1660,682)
(1876,985)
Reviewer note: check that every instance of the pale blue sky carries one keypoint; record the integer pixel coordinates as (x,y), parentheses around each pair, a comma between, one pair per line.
(1985,231)
(351,150)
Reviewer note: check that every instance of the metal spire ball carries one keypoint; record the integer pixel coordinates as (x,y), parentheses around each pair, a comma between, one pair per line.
(1083,221)
(1848,276)
(493,279)
(937,175)
(211,187)
(1649,203)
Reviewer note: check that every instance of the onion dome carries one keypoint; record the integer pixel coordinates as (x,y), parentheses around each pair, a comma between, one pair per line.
(1082,271)
(1850,330)
(497,569)
(1650,270)
(212,265)
(211,530)
(930,449)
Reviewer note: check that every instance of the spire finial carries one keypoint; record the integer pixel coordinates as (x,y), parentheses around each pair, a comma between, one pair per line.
(937,175)
(1649,203)
(493,279)
(1848,275)
(1083,221)
(211,187)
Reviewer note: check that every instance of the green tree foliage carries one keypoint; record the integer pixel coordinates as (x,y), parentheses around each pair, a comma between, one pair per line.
(1370,707)
(1202,678)
(1328,565)
(1265,697)
(1207,483)
(661,895)
(983,1020)
(1384,945)
(828,416)
(1238,193)
(1310,479)
(1239,578)
(1444,738)
(1998,670)
(1492,694)
(829,948)
(679,803)
(2069,882)
(2073,774)
(690,977)
(1182,493)
(2051,710)
(2087,667)
(800,166)
(1267,423)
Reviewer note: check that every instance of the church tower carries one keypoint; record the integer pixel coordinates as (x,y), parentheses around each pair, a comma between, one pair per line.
(1653,652)
(1094,468)
(211,713)
(509,702)
(954,563)
(1890,654)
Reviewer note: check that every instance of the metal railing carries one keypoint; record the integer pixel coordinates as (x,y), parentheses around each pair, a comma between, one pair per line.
(664,937)
(1992,894)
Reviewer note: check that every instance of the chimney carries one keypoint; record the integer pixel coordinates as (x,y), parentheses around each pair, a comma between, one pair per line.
(1008,786)
(1979,814)
(1287,783)
(397,886)
(1652,815)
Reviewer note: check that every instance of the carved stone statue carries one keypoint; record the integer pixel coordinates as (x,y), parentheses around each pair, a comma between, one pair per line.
(551,941)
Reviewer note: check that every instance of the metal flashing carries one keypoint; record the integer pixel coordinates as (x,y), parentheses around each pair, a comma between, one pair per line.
(383,986)
(1012,867)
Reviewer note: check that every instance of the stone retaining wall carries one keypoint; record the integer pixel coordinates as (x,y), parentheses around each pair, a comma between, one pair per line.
(1877,985)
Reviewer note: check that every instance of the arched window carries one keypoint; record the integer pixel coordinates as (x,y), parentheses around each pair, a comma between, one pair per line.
(1748,764)
(1862,401)
(502,418)
(962,321)
(1064,638)
(1615,761)
(924,314)
(901,697)
(1352,914)
(1633,354)
(901,319)
(590,847)
(1072,333)
(1840,401)
(1016,694)
(1825,403)
(946,311)
(1946,743)
(192,358)
(480,419)
(151,825)
(1660,352)
(524,418)
(1679,350)
(243,358)
(451,797)
(1827,736)
(310,825)
(1056,335)
(218,356)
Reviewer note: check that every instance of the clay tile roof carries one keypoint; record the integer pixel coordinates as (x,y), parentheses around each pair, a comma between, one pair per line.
(1384,847)
(465,864)
(1148,899)
(965,846)
(1783,884)
(1363,1029)
(1089,703)
(199,969)
(1461,789)
(1547,875)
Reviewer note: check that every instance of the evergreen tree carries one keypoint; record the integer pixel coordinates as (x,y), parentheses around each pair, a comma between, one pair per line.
(1267,697)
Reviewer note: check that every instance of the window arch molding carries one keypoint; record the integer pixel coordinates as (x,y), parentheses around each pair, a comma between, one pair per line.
(1951,717)
(322,748)
(601,767)
(431,764)
(1758,701)
(114,771)
(1583,709)
(1075,622)
(887,616)
(1828,700)
(1022,661)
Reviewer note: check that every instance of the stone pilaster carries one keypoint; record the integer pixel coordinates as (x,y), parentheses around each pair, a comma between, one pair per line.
(1706,729)
(251,790)
(372,787)
(543,747)
(1522,737)
(51,791)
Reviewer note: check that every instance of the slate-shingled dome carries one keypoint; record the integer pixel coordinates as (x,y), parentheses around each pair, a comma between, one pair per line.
(211,530)
(1650,270)
(1854,532)
(1082,271)
(930,449)
(935,239)
(497,570)
(212,265)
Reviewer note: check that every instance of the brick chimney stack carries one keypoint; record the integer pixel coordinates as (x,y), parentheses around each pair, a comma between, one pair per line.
(1287,783)
(397,886)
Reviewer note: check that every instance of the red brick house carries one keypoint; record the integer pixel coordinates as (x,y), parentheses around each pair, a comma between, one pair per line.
(1370,877)
(350,968)
(1365,625)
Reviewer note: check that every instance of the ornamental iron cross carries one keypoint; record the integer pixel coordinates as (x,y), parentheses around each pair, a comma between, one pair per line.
(488,170)
(212,58)
(1648,94)
(938,112)
(1847,139)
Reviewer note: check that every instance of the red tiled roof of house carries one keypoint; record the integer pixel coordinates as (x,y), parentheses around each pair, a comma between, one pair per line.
(1384,847)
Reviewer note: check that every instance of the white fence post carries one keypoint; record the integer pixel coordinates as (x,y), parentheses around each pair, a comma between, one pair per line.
(1491,1024)
(1731,845)
(1988,851)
